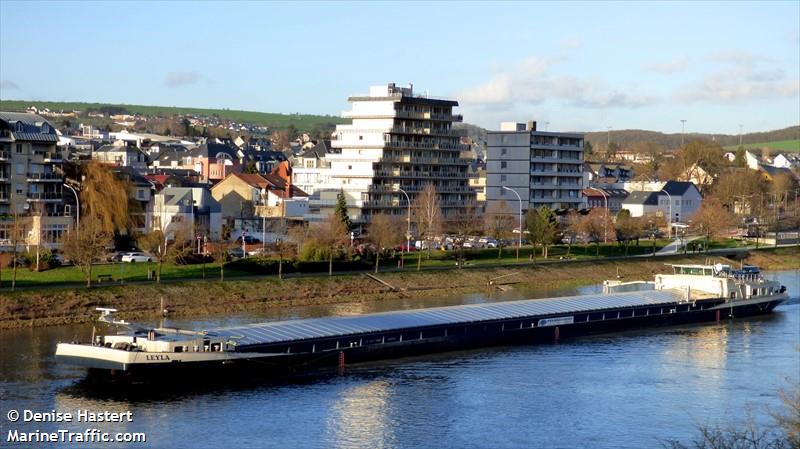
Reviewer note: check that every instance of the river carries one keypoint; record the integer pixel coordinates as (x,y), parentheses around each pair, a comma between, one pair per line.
(627,390)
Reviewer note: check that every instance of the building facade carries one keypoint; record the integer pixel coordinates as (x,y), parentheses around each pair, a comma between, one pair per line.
(397,140)
(31,182)
(543,168)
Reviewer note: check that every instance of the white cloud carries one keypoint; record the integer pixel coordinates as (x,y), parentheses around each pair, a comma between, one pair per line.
(9,85)
(533,81)
(745,77)
(674,66)
(178,79)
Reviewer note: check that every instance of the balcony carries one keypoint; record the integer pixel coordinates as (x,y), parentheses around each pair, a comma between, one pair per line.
(428,146)
(426,160)
(45,177)
(5,156)
(415,175)
(49,197)
(423,131)
(49,156)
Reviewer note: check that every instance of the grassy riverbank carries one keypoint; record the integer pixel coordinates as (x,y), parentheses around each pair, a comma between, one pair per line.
(204,298)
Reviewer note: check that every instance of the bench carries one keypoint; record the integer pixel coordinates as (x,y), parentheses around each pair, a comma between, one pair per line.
(105,278)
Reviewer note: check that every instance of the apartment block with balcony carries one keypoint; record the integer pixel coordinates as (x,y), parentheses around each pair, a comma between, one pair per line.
(31,180)
(544,168)
(397,140)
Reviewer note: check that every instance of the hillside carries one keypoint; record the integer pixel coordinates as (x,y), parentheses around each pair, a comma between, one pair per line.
(303,122)
(627,137)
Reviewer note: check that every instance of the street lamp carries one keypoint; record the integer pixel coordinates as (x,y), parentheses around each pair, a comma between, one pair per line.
(519,244)
(669,222)
(408,227)
(605,222)
(77,206)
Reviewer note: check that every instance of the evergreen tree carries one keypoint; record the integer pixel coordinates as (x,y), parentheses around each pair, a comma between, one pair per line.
(341,210)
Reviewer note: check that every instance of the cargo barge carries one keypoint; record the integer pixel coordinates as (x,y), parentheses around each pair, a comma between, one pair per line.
(690,294)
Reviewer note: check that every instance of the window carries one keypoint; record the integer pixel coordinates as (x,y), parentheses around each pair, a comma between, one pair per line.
(20,127)
(349,167)
(45,128)
(503,151)
(360,137)
(20,169)
(502,192)
(19,148)
(502,178)
(503,164)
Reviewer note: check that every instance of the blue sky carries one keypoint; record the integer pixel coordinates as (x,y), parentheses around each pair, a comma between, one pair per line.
(579,66)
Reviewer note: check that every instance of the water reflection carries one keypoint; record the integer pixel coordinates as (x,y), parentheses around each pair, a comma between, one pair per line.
(361,418)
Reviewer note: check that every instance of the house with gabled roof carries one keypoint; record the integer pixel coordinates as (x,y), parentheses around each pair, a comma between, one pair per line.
(678,198)
(252,195)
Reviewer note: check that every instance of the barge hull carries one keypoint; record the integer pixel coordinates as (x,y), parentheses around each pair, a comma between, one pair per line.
(289,359)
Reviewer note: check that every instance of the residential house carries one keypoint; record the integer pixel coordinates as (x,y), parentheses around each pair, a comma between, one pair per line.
(211,161)
(121,154)
(680,199)
(606,174)
(698,176)
(311,169)
(142,191)
(187,211)
(602,198)
(787,160)
(248,196)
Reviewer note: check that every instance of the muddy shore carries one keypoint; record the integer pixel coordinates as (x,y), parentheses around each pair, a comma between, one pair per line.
(208,298)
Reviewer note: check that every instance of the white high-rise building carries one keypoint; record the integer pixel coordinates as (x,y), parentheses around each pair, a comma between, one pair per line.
(397,140)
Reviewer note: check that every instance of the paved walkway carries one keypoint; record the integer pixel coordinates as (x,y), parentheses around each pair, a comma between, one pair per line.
(675,246)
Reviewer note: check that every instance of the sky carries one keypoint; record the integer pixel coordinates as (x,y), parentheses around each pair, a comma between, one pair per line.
(574,66)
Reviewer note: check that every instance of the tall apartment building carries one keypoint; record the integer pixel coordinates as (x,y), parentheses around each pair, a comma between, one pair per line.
(31,180)
(544,168)
(397,140)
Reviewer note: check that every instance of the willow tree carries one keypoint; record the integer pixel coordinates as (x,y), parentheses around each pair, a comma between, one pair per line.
(104,211)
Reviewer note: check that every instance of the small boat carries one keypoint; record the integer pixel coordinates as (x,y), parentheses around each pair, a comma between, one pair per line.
(689,294)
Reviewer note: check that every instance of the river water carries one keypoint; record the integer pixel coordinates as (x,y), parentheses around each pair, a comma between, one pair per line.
(627,390)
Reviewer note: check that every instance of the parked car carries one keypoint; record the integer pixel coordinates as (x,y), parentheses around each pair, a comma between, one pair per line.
(236,253)
(136,257)
(116,257)
(248,240)
(406,248)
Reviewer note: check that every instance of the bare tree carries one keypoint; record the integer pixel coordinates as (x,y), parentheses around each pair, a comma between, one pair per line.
(571,229)
(427,216)
(711,219)
(333,234)
(383,232)
(85,244)
(594,225)
(464,223)
(499,222)
(627,228)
